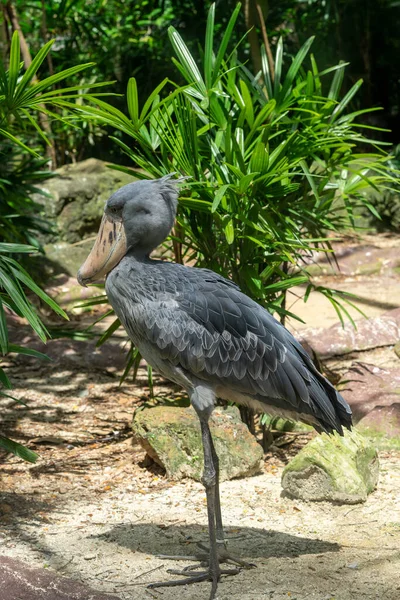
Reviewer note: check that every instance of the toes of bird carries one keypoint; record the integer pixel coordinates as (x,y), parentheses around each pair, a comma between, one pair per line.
(187,570)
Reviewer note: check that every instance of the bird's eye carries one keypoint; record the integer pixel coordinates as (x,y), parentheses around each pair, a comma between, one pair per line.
(114,210)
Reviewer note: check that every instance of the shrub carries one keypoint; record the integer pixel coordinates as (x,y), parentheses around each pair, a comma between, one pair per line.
(22,97)
(276,165)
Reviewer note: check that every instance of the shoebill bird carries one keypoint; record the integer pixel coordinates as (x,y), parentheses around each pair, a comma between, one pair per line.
(200,331)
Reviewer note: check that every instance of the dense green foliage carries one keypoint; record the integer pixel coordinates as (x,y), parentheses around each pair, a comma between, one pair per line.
(274,164)
(22,99)
(128,38)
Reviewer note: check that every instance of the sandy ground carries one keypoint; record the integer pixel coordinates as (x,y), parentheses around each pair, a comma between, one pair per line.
(301,551)
(92,509)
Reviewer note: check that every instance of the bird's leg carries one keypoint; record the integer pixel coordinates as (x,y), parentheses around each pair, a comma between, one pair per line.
(220,537)
(221,542)
(209,481)
(212,570)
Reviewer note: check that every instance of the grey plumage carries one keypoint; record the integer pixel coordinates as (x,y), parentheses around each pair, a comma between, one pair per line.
(196,322)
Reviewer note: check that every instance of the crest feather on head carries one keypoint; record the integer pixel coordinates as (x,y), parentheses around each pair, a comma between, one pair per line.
(169,189)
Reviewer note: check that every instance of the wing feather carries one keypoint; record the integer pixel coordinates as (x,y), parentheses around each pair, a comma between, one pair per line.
(203,324)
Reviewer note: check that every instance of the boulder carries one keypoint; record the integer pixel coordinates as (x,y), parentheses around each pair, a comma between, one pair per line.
(75,198)
(171,437)
(333,468)
(370,333)
(374,396)
(62,257)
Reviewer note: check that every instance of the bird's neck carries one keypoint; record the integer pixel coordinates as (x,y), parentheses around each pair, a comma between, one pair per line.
(140,254)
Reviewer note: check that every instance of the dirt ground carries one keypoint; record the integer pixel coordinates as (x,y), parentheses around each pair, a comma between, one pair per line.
(94,509)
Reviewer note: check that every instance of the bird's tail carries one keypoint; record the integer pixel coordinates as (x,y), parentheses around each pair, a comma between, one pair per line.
(332,411)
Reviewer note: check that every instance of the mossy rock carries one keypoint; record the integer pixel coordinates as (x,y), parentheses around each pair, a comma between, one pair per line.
(76,197)
(370,268)
(284,425)
(172,438)
(333,468)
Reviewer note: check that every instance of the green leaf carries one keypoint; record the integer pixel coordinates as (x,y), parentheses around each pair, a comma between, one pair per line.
(14,64)
(36,126)
(133,101)
(208,50)
(259,158)
(17,141)
(53,79)
(310,179)
(317,81)
(219,194)
(17,248)
(133,360)
(147,105)
(187,62)
(3,330)
(225,40)
(18,450)
(23,276)
(4,380)
(266,73)
(27,351)
(278,67)
(248,103)
(17,296)
(347,98)
(229,231)
(287,283)
(295,66)
(109,332)
(336,83)
(33,68)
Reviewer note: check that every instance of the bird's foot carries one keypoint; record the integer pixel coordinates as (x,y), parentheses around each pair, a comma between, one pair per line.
(224,556)
(192,575)
(205,568)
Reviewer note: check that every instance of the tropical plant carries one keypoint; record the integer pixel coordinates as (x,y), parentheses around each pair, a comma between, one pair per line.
(276,164)
(22,98)
(13,280)
(387,204)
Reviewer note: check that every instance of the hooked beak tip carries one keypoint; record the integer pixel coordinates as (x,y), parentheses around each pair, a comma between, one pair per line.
(83,282)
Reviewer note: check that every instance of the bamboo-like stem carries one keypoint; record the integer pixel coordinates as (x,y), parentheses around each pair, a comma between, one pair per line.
(266,40)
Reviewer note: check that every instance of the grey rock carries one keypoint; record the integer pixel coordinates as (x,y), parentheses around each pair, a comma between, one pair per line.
(355,260)
(171,437)
(76,197)
(62,257)
(370,333)
(333,468)
(374,396)
(20,581)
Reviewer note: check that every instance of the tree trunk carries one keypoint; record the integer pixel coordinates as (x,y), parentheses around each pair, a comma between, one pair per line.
(4,38)
(45,36)
(250,21)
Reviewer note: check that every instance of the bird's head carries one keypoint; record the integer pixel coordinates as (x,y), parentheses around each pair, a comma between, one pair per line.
(138,217)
